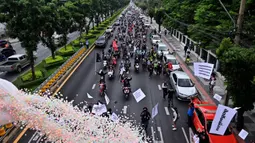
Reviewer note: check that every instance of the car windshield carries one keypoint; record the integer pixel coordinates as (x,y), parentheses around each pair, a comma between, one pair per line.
(156,38)
(101,38)
(185,83)
(173,61)
(162,48)
(209,124)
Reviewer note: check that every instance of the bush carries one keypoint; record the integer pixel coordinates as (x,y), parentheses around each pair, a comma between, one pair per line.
(94,31)
(88,36)
(68,51)
(49,62)
(28,76)
(76,43)
(103,25)
(100,28)
(29,83)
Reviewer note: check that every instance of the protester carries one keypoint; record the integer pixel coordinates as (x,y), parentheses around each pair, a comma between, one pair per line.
(185,50)
(190,113)
(170,93)
(164,89)
(145,117)
(175,117)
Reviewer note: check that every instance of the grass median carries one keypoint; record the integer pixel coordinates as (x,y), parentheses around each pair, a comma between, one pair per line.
(49,65)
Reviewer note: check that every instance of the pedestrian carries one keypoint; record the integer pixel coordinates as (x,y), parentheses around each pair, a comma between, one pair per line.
(164,89)
(170,93)
(212,82)
(190,113)
(165,32)
(176,116)
(150,69)
(145,117)
(185,49)
(87,43)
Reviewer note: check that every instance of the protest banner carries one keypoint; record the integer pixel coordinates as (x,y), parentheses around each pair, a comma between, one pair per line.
(203,70)
(139,95)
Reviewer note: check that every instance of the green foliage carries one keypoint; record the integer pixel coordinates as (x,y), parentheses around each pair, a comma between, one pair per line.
(89,36)
(28,76)
(238,67)
(94,31)
(50,60)
(66,51)
(159,15)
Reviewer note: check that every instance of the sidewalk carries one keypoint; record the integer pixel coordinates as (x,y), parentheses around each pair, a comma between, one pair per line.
(220,88)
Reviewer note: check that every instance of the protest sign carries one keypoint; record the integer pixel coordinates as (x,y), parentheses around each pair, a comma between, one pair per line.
(222,119)
(139,95)
(114,117)
(99,109)
(107,100)
(243,134)
(203,70)
(154,111)
(217,97)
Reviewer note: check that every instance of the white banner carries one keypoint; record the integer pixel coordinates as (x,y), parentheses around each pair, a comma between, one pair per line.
(222,119)
(114,117)
(139,95)
(154,111)
(99,109)
(203,70)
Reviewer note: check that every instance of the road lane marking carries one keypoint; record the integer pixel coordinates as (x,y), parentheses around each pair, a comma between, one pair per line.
(191,134)
(125,110)
(94,85)
(159,87)
(39,139)
(63,83)
(185,135)
(33,136)
(161,135)
(167,111)
(152,134)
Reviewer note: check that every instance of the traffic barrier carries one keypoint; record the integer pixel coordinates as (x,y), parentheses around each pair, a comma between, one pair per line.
(2,131)
(9,125)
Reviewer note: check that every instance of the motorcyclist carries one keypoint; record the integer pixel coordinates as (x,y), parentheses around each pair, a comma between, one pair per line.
(126,81)
(114,61)
(137,60)
(102,75)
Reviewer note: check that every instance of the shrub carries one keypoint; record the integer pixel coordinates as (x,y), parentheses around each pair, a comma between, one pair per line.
(76,43)
(103,25)
(30,83)
(28,76)
(88,36)
(66,51)
(94,31)
(49,62)
(100,28)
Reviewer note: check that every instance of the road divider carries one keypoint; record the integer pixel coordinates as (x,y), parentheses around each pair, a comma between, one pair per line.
(167,111)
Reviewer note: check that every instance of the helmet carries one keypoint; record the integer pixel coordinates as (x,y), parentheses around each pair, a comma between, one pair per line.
(145,108)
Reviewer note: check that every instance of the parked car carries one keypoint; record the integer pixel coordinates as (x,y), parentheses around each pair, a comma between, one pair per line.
(202,120)
(171,58)
(5,44)
(15,63)
(7,52)
(155,39)
(2,57)
(101,41)
(183,86)
(162,48)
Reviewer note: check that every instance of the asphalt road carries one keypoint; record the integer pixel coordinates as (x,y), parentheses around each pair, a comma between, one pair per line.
(84,80)
(41,53)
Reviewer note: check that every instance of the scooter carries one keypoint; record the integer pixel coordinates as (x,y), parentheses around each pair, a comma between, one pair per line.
(137,67)
(110,74)
(105,64)
(126,91)
(102,88)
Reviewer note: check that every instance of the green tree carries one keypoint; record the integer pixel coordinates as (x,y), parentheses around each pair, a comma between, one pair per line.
(24,21)
(238,67)
(65,21)
(159,15)
(151,13)
(49,25)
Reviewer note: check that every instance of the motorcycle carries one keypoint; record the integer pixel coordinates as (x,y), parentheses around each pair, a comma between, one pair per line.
(126,91)
(137,67)
(144,63)
(102,88)
(110,74)
(105,64)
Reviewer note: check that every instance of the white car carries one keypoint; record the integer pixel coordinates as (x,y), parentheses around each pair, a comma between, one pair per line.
(155,39)
(183,86)
(170,58)
(147,24)
(109,29)
(162,48)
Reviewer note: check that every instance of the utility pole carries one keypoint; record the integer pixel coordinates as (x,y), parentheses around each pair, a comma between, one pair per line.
(240,22)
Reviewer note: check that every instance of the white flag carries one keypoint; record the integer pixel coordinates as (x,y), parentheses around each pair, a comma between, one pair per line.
(154,111)
(203,70)
(243,134)
(217,97)
(139,95)
(222,119)
(107,100)
(89,96)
